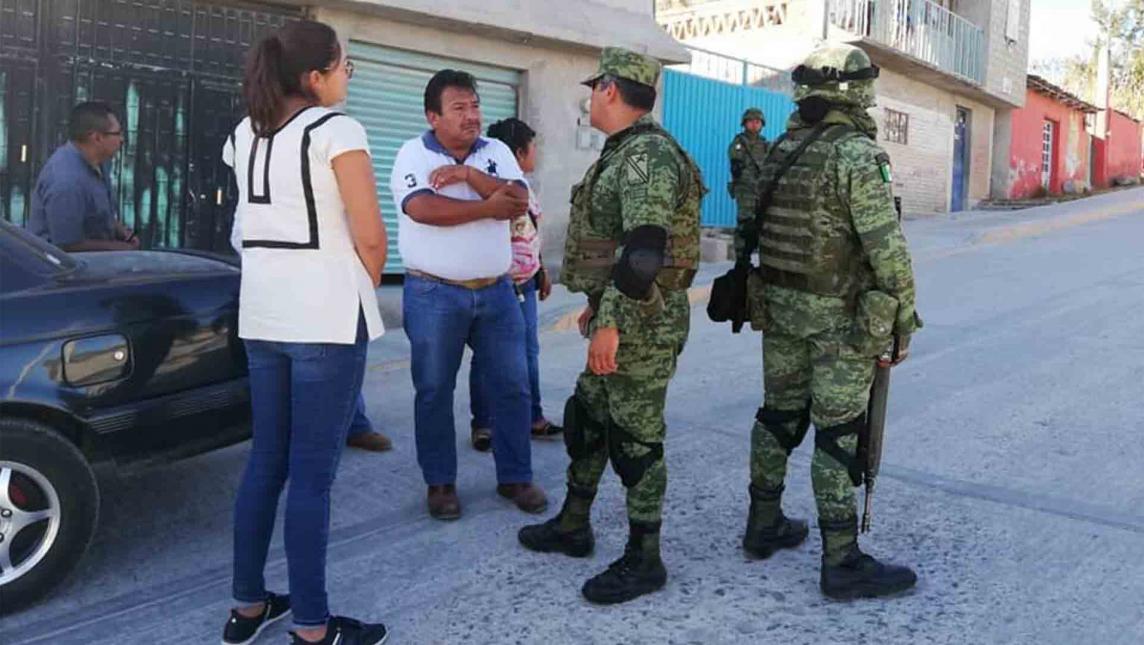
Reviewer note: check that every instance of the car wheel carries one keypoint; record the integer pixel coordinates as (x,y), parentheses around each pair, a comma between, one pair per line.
(49,505)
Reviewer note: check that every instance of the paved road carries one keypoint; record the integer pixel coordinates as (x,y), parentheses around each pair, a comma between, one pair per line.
(1013,482)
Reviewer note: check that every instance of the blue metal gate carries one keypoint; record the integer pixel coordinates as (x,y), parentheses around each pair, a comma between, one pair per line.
(703,114)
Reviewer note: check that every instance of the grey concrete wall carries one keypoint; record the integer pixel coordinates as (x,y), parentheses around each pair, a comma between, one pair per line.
(587,24)
(1007,61)
(1002,141)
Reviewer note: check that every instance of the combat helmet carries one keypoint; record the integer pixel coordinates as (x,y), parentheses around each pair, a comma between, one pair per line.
(838,74)
(753,113)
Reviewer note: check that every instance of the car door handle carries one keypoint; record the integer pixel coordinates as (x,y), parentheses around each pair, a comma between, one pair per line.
(96,359)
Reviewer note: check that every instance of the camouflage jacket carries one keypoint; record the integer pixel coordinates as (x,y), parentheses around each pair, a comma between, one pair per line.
(642,178)
(832,233)
(746,153)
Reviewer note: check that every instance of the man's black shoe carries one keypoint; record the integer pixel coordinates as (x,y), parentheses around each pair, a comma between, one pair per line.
(548,538)
(347,631)
(762,541)
(241,630)
(861,576)
(626,579)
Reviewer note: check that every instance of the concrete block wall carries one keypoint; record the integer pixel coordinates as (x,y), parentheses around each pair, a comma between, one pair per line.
(1007,62)
(923,166)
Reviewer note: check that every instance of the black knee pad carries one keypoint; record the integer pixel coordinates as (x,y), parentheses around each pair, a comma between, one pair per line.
(631,469)
(826,440)
(777,423)
(578,425)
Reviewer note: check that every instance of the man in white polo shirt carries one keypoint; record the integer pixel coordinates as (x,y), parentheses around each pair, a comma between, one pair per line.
(455,193)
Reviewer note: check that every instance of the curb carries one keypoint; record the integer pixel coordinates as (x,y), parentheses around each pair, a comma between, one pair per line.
(1029,229)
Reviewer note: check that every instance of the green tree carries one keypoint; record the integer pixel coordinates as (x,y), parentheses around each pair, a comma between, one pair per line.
(1122,27)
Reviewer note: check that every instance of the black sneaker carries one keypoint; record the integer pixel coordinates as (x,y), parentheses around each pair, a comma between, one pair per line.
(626,579)
(861,576)
(548,538)
(347,631)
(241,630)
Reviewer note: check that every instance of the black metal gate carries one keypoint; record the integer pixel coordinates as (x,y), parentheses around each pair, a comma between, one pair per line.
(172,70)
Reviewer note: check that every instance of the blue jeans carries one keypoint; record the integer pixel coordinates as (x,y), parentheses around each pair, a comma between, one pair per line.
(360,423)
(478,388)
(440,319)
(302,396)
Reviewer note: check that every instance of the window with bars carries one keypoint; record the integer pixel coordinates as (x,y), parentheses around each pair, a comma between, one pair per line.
(896,126)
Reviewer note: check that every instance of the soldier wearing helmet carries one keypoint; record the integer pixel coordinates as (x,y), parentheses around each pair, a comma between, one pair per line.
(834,288)
(746,153)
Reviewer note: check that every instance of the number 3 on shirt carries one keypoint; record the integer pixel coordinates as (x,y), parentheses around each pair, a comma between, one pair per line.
(410,180)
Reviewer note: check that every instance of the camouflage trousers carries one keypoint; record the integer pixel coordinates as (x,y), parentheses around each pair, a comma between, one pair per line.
(619,418)
(823,380)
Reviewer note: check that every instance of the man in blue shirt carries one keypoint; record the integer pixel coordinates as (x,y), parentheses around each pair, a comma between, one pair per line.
(72,205)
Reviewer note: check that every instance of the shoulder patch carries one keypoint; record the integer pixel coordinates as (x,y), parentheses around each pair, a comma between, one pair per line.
(883,161)
(635,168)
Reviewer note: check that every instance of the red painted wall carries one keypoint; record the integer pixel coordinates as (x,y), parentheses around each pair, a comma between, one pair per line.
(1070,151)
(1124,153)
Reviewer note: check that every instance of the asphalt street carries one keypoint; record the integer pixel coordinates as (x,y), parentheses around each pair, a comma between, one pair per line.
(1013,481)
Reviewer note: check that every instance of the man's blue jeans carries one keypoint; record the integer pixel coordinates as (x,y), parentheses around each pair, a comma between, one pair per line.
(478,382)
(440,319)
(303,397)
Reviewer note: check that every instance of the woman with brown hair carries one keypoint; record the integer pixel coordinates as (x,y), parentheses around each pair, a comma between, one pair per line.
(313,247)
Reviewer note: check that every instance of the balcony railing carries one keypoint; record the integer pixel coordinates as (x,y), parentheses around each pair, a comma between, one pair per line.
(920,28)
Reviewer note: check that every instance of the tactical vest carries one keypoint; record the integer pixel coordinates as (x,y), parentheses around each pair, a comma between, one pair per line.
(754,151)
(590,252)
(807,241)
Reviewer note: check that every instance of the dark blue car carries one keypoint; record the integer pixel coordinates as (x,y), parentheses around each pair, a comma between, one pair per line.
(121,358)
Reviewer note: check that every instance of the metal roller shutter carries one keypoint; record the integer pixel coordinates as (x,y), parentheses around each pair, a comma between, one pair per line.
(386,96)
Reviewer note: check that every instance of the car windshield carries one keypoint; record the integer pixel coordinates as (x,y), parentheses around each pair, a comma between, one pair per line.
(45,258)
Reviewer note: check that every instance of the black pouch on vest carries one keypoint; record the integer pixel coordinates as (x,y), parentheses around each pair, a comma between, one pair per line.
(728,301)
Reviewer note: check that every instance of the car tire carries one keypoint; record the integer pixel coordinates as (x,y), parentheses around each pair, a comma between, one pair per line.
(49,507)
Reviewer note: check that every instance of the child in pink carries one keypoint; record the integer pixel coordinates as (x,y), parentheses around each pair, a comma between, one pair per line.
(532,284)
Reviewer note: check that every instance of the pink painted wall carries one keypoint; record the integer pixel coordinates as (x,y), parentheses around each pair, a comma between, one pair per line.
(1070,150)
(1123,149)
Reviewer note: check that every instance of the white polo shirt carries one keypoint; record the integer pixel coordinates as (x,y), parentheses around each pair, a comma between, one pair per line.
(480,249)
(302,281)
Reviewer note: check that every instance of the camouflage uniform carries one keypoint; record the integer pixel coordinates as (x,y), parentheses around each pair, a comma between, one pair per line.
(838,285)
(746,154)
(643,178)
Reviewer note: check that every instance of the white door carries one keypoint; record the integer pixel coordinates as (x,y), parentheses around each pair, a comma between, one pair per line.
(1047,153)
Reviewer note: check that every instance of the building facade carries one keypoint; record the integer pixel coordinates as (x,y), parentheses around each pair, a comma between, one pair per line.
(1120,159)
(1051,148)
(952,71)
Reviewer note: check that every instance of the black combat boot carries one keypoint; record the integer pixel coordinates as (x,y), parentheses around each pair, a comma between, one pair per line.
(850,574)
(640,571)
(768,530)
(570,532)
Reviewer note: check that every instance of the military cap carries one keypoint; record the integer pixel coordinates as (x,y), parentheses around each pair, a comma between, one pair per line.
(753,113)
(626,64)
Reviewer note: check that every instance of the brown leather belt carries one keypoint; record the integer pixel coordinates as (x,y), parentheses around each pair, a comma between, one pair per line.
(472,285)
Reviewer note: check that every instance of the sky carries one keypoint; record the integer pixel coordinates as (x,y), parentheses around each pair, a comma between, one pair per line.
(1059,28)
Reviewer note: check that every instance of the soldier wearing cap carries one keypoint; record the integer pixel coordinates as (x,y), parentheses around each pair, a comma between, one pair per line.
(746,153)
(837,289)
(632,248)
